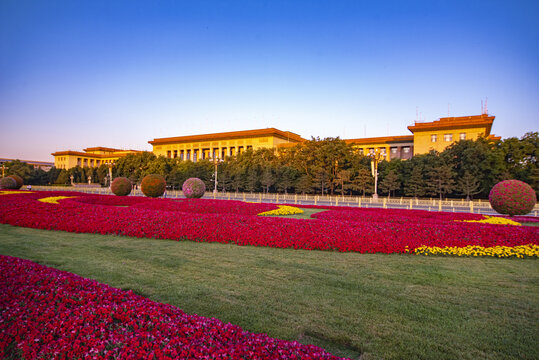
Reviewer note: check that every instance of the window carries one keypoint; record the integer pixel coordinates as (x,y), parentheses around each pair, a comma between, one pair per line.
(249,147)
(195,155)
(448,137)
(361,151)
(462,136)
(406,149)
(175,154)
(433,138)
(188,155)
(383,151)
(393,150)
(181,154)
(169,154)
(371,151)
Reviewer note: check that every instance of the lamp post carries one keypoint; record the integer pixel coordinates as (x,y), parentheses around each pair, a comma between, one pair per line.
(110,164)
(376,157)
(216,162)
(3,169)
(71,178)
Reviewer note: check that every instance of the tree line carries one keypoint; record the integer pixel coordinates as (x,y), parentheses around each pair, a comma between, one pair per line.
(467,168)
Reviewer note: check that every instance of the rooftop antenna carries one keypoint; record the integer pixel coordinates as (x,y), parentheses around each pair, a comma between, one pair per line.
(486,108)
(482,107)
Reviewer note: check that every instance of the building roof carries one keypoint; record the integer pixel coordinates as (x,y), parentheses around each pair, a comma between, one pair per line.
(232,134)
(87,154)
(382,139)
(101,148)
(474,121)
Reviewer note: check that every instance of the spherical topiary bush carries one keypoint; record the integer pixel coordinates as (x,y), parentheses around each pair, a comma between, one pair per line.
(18,179)
(193,188)
(512,197)
(153,185)
(121,186)
(8,183)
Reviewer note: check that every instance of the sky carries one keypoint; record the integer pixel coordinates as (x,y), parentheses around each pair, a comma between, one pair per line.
(78,74)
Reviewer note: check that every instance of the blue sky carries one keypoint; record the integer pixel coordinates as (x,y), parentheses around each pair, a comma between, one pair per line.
(77,74)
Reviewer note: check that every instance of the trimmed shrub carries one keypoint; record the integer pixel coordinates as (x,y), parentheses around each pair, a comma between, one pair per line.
(18,179)
(512,197)
(153,185)
(121,186)
(8,183)
(193,188)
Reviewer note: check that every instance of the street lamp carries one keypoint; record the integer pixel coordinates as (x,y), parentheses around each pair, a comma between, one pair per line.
(110,164)
(216,162)
(376,157)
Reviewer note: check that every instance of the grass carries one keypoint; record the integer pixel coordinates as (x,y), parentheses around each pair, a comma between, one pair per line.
(371,306)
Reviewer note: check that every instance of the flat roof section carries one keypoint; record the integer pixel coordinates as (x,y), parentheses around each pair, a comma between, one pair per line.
(483,120)
(287,135)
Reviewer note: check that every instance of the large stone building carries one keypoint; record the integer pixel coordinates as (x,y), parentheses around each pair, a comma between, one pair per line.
(220,145)
(91,157)
(426,136)
(435,135)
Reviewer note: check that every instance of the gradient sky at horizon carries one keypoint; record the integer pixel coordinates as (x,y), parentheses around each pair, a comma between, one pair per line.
(77,74)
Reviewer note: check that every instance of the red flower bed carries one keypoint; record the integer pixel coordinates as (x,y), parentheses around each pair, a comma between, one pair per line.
(341,229)
(47,313)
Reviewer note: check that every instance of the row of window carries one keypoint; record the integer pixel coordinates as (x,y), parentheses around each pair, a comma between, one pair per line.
(447,137)
(92,163)
(205,153)
(394,150)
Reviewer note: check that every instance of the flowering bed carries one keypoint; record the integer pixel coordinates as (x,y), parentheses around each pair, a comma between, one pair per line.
(342,229)
(47,313)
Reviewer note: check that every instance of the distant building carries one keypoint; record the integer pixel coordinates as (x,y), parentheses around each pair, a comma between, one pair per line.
(435,135)
(220,145)
(43,165)
(390,147)
(91,157)
(439,134)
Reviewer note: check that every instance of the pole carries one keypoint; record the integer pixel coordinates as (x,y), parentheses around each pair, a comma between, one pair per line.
(215,188)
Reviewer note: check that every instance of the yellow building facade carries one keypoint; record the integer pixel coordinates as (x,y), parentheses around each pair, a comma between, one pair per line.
(90,157)
(221,145)
(427,136)
(438,135)
(389,147)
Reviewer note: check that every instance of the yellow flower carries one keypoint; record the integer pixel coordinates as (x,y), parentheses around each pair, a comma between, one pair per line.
(14,192)
(520,251)
(54,199)
(494,220)
(282,210)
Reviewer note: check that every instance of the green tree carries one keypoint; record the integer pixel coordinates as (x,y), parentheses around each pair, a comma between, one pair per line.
(440,180)
(267,179)
(390,183)
(363,181)
(304,184)
(415,186)
(468,185)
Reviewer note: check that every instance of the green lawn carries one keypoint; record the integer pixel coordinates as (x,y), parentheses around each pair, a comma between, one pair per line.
(377,306)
